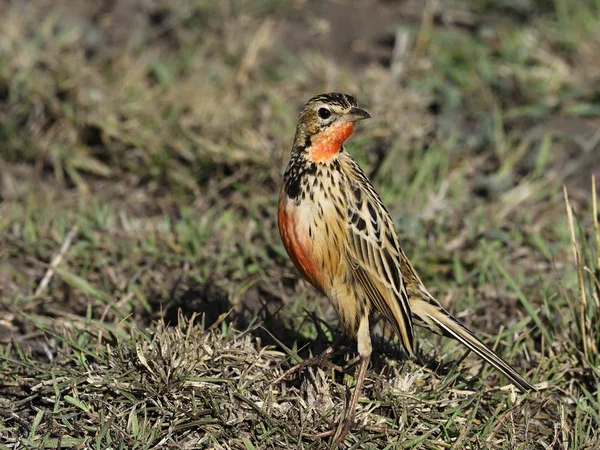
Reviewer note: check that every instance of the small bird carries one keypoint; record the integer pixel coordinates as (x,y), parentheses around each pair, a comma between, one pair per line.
(341,239)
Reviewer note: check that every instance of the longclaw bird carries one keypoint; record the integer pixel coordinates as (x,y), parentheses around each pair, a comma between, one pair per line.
(341,239)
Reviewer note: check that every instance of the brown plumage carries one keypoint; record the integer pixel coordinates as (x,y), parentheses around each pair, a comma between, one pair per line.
(341,238)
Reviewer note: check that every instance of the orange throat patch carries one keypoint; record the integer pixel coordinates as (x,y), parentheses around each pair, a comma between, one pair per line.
(326,144)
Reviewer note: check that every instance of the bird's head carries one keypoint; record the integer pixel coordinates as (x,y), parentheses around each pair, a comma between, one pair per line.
(325,122)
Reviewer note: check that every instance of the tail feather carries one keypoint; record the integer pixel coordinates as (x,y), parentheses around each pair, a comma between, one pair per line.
(438,320)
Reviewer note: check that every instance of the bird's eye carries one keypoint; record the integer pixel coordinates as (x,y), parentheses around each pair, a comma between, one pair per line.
(324,113)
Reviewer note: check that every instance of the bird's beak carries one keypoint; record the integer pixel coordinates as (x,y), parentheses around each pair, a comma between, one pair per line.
(357,114)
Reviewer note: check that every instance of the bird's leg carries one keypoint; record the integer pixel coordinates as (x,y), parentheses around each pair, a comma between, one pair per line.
(318,360)
(348,420)
(364,350)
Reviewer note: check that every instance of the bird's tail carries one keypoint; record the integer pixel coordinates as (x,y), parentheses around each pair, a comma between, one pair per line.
(435,318)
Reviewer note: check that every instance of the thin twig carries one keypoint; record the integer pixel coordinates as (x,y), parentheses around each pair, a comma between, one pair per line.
(597,239)
(579,267)
(261,39)
(56,261)
(424,36)
(508,414)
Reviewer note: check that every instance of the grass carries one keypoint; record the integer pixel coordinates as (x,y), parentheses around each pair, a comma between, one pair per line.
(146,300)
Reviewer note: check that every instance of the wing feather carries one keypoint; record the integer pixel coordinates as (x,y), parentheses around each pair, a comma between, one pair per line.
(374,257)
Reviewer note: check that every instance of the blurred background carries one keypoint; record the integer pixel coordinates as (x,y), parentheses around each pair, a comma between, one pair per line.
(142,146)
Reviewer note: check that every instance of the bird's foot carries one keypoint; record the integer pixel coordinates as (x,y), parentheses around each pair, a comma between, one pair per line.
(320,360)
(338,433)
(342,431)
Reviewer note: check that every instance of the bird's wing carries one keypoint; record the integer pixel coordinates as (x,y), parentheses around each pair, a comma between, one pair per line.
(374,254)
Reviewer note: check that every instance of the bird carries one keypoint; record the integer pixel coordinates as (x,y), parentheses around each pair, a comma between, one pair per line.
(341,238)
